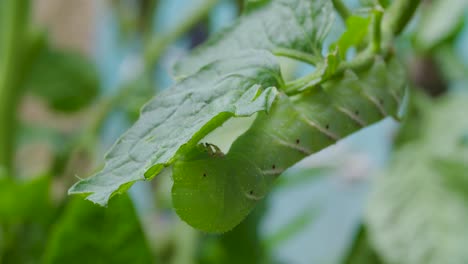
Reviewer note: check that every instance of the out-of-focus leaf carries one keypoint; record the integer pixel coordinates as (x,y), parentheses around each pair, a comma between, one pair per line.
(411,125)
(361,251)
(141,92)
(25,216)
(440,19)
(20,201)
(451,64)
(178,118)
(65,80)
(298,25)
(30,133)
(367,2)
(418,209)
(292,228)
(250,5)
(240,245)
(87,233)
(23,242)
(452,169)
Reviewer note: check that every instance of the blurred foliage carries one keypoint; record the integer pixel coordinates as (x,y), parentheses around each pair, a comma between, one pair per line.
(67,81)
(98,236)
(24,200)
(26,212)
(141,92)
(241,245)
(418,208)
(441,21)
(362,251)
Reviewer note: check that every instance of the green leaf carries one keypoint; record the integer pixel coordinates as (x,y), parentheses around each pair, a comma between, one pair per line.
(87,233)
(178,118)
(440,20)
(418,211)
(299,25)
(67,81)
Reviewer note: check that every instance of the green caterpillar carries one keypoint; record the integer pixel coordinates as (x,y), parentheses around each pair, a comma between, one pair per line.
(214,192)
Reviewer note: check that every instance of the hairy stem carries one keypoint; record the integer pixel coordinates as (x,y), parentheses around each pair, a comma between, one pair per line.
(13,20)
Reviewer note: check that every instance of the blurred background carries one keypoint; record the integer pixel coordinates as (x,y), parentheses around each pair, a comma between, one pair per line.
(87,67)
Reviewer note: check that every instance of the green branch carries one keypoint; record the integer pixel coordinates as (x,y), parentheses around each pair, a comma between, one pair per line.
(13,20)
(377,30)
(384,3)
(341,8)
(398,15)
(389,25)
(361,62)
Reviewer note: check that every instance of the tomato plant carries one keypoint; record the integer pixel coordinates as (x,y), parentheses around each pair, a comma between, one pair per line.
(191,179)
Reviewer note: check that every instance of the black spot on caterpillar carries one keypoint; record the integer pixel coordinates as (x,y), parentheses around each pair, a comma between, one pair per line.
(244,175)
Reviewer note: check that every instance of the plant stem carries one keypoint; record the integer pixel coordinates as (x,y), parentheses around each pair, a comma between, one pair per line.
(359,63)
(383,3)
(147,13)
(377,30)
(297,55)
(158,44)
(14,18)
(341,8)
(390,25)
(398,15)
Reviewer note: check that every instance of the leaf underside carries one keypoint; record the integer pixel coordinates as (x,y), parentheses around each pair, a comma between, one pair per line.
(178,118)
(235,80)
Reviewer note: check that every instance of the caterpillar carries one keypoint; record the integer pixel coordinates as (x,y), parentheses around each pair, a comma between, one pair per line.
(214,192)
